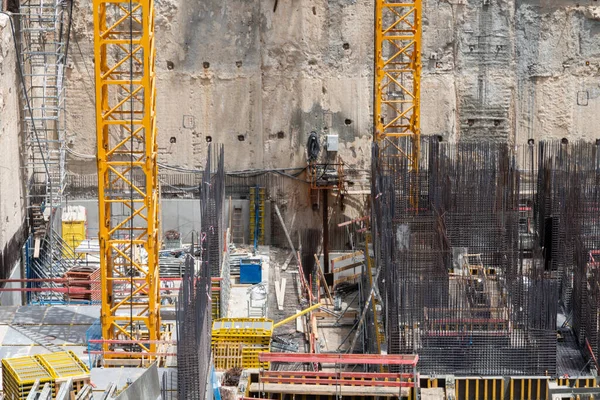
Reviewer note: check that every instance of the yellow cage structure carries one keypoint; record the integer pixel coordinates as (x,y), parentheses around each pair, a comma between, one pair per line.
(237,342)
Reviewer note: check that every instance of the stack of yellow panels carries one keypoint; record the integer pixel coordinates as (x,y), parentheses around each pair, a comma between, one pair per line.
(261,214)
(65,365)
(20,373)
(216,299)
(237,342)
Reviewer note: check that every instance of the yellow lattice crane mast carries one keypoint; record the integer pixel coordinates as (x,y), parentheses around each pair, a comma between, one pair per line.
(398,27)
(127,178)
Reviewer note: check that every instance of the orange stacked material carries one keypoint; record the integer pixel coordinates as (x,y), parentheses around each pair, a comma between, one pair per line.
(80,278)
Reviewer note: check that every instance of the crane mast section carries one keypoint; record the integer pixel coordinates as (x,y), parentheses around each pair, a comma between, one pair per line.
(398,43)
(128,192)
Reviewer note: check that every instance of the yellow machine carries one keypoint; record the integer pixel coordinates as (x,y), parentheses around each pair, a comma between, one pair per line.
(127,178)
(74,222)
(398,28)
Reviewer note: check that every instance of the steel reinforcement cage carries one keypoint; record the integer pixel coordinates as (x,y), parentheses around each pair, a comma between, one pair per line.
(569,178)
(194,306)
(461,285)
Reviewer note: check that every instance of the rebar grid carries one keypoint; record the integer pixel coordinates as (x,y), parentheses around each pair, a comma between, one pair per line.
(194,321)
(462,280)
(194,308)
(569,179)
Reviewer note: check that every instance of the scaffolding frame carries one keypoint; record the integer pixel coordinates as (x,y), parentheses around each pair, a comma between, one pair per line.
(43,57)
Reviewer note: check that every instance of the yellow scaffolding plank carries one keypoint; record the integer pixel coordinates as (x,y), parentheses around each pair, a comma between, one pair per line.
(25,370)
(20,373)
(237,342)
(63,364)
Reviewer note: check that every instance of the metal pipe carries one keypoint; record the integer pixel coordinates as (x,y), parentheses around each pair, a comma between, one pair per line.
(293,317)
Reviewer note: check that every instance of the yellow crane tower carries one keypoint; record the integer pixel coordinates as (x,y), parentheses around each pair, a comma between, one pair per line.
(127,178)
(398,27)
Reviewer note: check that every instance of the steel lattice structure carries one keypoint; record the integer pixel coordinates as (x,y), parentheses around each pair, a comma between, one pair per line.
(128,192)
(396,109)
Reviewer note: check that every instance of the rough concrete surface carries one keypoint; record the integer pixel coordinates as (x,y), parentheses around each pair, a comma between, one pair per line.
(242,71)
(12,208)
(492,69)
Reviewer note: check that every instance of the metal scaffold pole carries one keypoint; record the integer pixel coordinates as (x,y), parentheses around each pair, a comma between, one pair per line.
(43,51)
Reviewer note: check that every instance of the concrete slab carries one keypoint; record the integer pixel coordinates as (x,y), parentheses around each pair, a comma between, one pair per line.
(12,337)
(30,314)
(7,314)
(433,394)
(240,296)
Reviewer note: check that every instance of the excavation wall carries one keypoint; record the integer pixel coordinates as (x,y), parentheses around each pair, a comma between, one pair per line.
(12,217)
(260,75)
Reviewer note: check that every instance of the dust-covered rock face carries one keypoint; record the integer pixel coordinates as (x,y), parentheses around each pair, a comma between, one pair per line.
(259,78)
(246,74)
(558,55)
(12,214)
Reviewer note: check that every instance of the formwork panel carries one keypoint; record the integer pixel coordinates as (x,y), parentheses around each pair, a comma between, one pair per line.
(20,373)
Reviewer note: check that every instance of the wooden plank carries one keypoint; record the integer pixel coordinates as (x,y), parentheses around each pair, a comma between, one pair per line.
(287,261)
(280,293)
(36,249)
(299,323)
(348,314)
(287,235)
(347,267)
(347,256)
(320,270)
(345,279)
(283,284)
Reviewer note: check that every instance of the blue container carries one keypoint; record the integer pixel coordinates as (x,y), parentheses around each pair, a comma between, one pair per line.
(250,271)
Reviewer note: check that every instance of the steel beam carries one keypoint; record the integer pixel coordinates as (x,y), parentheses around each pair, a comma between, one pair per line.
(330,358)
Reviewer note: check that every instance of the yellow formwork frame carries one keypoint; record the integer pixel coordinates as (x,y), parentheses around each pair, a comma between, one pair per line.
(127,173)
(397,110)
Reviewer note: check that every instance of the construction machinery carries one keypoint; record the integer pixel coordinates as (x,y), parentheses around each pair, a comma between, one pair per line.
(396,108)
(128,190)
